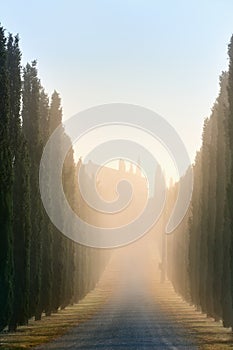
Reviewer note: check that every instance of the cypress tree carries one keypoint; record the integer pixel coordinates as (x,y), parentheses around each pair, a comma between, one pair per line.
(21,196)
(58,247)
(211,223)
(22,235)
(6,192)
(204,215)
(210,226)
(221,161)
(77,247)
(31,129)
(46,269)
(69,190)
(211,213)
(195,232)
(228,227)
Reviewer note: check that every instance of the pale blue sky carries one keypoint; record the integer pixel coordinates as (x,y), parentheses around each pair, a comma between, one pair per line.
(165,55)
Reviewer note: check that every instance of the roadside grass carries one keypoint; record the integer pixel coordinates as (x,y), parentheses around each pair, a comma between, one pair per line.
(208,334)
(203,331)
(51,327)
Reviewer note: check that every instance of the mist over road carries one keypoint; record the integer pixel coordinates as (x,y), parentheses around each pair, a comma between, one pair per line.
(131,319)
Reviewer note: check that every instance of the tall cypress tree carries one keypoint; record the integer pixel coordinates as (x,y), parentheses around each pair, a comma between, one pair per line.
(78,273)
(228,228)
(6,192)
(195,233)
(31,129)
(22,235)
(69,189)
(21,196)
(47,238)
(211,212)
(58,246)
(221,107)
(211,223)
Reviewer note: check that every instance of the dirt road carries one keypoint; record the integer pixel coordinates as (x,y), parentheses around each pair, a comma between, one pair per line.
(131,319)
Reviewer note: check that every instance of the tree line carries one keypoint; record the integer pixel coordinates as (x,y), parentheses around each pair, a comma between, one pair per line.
(40,270)
(200,253)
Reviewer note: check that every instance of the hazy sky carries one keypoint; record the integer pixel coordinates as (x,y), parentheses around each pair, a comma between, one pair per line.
(165,55)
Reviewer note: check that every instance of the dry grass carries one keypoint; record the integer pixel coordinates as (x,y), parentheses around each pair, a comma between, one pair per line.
(49,328)
(207,333)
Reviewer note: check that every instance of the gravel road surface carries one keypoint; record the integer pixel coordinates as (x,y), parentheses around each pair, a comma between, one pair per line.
(131,319)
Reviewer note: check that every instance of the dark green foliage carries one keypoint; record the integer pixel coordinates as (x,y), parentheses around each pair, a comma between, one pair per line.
(21,196)
(58,247)
(31,129)
(22,235)
(204,203)
(40,269)
(14,81)
(6,191)
(69,186)
(46,239)
(210,226)
(195,233)
(219,250)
